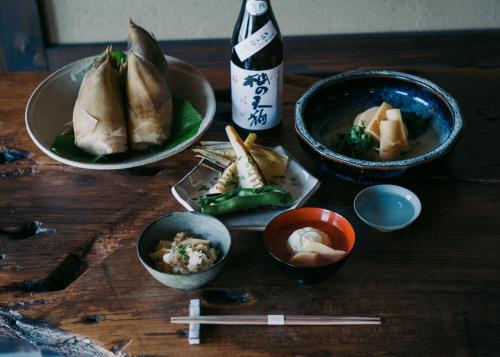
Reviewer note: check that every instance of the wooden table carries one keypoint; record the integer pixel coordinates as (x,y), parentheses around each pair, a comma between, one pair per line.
(436,283)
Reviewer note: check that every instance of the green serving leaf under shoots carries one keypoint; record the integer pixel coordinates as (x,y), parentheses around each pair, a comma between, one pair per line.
(186,123)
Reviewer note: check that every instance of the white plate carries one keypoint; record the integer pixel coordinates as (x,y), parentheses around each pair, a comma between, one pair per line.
(51,106)
(300,183)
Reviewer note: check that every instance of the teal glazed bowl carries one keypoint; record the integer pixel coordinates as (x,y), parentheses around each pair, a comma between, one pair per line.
(387,207)
(330,105)
(197,225)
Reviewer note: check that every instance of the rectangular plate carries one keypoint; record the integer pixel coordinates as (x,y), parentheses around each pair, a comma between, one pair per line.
(300,183)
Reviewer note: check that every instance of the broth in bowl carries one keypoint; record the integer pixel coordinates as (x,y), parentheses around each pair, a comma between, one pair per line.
(336,240)
(323,244)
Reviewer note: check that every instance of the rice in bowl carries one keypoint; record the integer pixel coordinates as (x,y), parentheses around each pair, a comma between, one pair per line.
(184,255)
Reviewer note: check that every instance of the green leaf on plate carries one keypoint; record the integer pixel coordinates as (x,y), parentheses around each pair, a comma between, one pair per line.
(185,124)
(64,146)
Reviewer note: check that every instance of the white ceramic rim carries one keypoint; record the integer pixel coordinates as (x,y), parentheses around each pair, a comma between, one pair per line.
(205,124)
(417,205)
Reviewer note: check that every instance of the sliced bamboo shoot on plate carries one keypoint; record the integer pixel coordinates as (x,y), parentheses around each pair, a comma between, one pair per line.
(249,173)
(229,177)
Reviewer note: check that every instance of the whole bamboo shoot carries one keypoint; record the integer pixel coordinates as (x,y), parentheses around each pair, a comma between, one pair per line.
(99,121)
(249,174)
(229,178)
(148,92)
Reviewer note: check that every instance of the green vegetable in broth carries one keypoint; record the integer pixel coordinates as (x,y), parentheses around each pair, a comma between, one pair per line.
(355,143)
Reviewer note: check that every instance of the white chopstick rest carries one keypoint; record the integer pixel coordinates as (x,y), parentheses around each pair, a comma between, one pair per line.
(275,319)
(194,329)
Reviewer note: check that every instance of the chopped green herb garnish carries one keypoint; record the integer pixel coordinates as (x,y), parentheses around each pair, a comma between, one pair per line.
(182,251)
(356,143)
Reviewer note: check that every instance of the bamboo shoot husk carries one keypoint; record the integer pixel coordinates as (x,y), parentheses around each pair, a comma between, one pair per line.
(270,162)
(99,121)
(249,173)
(150,105)
(229,178)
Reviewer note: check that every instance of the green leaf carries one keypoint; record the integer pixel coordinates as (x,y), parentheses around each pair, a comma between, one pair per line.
(64,146)
(416,124)
(119,57)
(356,143)
(186,122)
(185,125)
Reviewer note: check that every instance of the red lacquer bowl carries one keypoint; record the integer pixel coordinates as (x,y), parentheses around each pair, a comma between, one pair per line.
(281,227)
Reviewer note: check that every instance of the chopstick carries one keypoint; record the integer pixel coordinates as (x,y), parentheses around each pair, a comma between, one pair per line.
(276,320)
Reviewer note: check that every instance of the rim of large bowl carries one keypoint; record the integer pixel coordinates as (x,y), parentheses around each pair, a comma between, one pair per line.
(204,126)
(324,151)
(213,266)
(268,250)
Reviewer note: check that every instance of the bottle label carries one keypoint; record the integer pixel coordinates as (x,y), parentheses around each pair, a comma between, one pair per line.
(257,97)
(257,7)
(256,41)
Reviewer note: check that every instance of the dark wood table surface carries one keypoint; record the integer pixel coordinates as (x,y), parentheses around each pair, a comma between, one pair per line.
(436,284)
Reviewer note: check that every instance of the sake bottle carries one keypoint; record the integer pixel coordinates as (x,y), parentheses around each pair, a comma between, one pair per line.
(257,68)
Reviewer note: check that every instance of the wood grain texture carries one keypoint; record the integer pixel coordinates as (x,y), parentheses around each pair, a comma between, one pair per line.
(436,284)
(307,54)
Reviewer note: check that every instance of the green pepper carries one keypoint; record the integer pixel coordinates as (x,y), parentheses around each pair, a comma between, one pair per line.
(241,199)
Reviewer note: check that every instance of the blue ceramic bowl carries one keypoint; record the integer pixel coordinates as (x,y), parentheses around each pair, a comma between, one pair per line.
(330,105)
(387,207)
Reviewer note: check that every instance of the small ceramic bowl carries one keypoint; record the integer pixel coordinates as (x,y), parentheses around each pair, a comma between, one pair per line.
(196,224)
(50,107)
(387,207)
(330,106)
(281,227)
